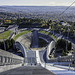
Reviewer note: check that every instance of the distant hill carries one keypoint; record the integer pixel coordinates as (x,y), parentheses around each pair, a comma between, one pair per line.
(45,12)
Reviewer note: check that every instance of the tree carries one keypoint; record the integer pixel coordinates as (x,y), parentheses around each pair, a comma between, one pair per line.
(61,44)
(12,42)
(8,43)
(1,45)
(69,46)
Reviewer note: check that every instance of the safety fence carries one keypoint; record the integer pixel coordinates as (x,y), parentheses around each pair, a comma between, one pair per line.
(70,58)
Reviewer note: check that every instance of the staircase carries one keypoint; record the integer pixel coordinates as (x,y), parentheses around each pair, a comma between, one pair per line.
(31,57)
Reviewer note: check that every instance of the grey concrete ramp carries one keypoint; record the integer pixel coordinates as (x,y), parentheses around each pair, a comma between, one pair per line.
(34,43)
(28,70)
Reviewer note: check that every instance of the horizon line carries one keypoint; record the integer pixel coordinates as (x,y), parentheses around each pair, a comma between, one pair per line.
(32,5)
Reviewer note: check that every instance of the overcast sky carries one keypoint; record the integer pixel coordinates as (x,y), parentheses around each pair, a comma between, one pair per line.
(37,2)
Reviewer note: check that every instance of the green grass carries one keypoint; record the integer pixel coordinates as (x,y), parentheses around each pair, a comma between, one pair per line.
(72,51)
(47,33)
(54,37)
(6,34)
(22,33)
(44,32)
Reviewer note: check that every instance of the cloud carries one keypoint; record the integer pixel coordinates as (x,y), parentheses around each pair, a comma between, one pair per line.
(61,3)
(38,2)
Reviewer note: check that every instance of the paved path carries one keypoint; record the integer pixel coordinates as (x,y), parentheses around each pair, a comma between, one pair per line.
(28,70)
(59,70)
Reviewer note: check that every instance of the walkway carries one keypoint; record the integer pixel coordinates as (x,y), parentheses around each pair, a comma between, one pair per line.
(28,70)
(59,70)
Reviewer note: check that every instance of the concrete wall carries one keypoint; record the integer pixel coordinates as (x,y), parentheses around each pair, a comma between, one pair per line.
(8,54)
(9,60)
(50,48)
(9,67)
(25,40)
(45,37)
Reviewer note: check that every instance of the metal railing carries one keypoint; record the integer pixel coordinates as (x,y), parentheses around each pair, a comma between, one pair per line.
(63,59)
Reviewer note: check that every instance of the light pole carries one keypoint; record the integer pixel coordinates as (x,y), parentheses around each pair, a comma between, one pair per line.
(3,41)
(53,28)
(67,39)
(3,36)
(68,33)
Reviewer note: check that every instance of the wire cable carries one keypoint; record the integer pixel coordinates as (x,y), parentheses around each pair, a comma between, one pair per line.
(66,9)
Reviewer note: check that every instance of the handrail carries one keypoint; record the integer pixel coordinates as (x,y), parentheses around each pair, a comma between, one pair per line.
(63,59)
(7,58)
